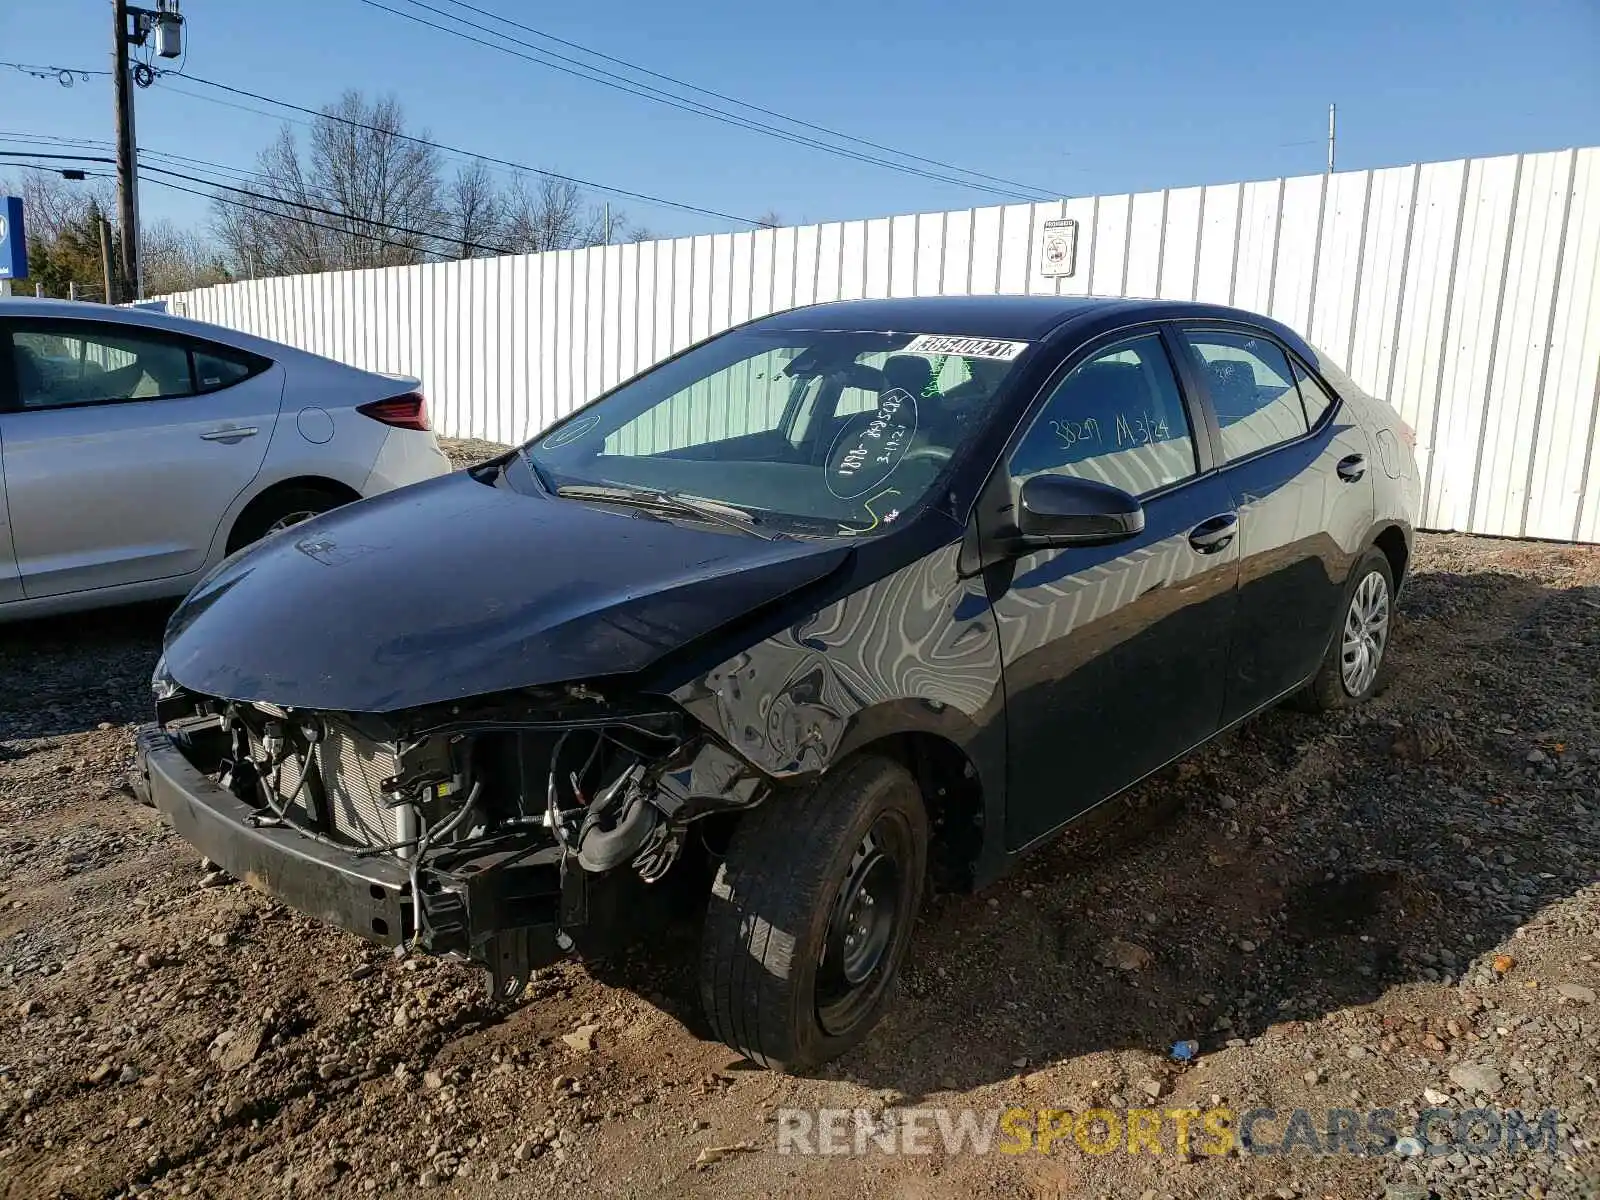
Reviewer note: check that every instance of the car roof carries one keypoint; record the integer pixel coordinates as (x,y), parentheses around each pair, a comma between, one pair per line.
(84,310)
(154,318)
(1025,318)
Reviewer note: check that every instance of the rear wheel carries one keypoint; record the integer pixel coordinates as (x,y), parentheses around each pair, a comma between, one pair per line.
(1354,668)
(279,510)
(811,914)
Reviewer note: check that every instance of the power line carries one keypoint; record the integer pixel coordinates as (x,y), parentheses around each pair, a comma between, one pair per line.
(49,139)
(371,237)
(633,66)
(542,57)
(28,166)
(99,158)
(46,140)
(65,76)
(431,235)
(607,189)
(449,151)
(488,158)
(237,174)
(260,112)
(241,173)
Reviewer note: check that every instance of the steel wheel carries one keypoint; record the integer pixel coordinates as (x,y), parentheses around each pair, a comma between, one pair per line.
(1366,633)
(811,914)
(862,926)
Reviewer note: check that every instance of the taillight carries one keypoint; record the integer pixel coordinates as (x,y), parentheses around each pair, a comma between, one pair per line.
(406,411)
(1408,435)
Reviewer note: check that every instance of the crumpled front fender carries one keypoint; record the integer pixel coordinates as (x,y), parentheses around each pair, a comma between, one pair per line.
(913,652)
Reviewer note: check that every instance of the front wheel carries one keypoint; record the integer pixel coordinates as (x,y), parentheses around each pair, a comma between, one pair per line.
(1354,667)
(811,914)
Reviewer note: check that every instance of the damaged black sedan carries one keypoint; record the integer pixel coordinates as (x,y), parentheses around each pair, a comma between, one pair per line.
(836,603)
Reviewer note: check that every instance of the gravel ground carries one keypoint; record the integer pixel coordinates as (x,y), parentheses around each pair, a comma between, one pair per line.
(1393,908)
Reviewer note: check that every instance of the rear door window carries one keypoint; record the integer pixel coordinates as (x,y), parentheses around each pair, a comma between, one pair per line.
(216,367)
(1313,395)
(62,364)
(65,364)
(1252,390)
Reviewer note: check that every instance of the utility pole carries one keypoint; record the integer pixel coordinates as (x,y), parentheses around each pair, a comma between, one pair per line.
(133,27)
(105,259)
(608,222)
(127,154)
(1332,112)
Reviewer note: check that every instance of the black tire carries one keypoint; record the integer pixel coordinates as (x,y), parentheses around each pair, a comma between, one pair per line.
(263,513)
(1329,692)
(776,913)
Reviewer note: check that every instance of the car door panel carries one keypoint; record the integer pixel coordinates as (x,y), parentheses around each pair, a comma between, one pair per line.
(1114,655)
(10,577)
(1304,500)
(128,491)
(1115,659)
(1300,525)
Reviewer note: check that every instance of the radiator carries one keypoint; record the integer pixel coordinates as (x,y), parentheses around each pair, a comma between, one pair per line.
(352,774)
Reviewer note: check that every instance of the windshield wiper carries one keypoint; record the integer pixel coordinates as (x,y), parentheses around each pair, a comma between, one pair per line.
(680,503)
(538,472)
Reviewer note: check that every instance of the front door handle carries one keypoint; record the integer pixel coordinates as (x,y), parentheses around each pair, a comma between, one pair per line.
(1212,535)
(1352,468)
(229,434)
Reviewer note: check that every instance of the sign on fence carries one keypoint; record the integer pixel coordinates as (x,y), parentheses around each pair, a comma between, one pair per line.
(1058,251)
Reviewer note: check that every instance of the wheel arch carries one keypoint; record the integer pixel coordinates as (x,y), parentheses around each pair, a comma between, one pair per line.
(1395,543)
(268,495)
(942,756)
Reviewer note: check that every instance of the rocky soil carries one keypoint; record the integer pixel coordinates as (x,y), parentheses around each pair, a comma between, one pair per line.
(1395,908)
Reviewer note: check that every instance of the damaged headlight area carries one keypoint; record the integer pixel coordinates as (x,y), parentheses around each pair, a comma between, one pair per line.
(507,830)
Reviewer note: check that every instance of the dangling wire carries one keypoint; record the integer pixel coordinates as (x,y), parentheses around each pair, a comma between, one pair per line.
(419,916)
(65,76)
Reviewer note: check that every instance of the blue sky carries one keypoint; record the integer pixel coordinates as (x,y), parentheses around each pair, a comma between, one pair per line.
(1070,98)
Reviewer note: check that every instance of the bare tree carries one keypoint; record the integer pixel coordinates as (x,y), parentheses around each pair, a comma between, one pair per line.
(176,260)
(53,205)
(553,214)
(63,225)
(348,195)
(373,181)
(473,215)
(769,219)
(272,236)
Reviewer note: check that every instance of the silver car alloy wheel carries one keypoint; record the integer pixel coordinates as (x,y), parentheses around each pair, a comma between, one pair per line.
(1366,633)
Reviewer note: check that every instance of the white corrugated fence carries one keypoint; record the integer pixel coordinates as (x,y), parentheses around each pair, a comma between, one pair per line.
(1467,292)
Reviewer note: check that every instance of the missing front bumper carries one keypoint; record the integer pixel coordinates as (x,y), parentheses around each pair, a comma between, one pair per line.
(500,905)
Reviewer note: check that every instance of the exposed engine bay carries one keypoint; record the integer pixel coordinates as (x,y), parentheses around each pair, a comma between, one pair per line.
(519,823)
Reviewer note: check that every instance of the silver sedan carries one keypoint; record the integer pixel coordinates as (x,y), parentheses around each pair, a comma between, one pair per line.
(137,450)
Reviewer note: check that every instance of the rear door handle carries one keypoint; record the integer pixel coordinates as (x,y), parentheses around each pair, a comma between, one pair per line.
(229,434)
(1212,535)
(1352,468)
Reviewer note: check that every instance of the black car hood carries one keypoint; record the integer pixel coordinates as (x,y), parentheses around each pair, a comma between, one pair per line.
(456,588)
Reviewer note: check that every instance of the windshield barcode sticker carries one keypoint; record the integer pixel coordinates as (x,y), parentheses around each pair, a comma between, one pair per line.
(966,347)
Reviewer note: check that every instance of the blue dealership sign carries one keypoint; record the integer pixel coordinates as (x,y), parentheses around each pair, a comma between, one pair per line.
(13,240)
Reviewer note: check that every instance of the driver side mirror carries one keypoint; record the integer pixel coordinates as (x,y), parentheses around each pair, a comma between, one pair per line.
(1063,510)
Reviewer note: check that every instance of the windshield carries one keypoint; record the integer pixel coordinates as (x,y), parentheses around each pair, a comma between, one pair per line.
(834,432)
